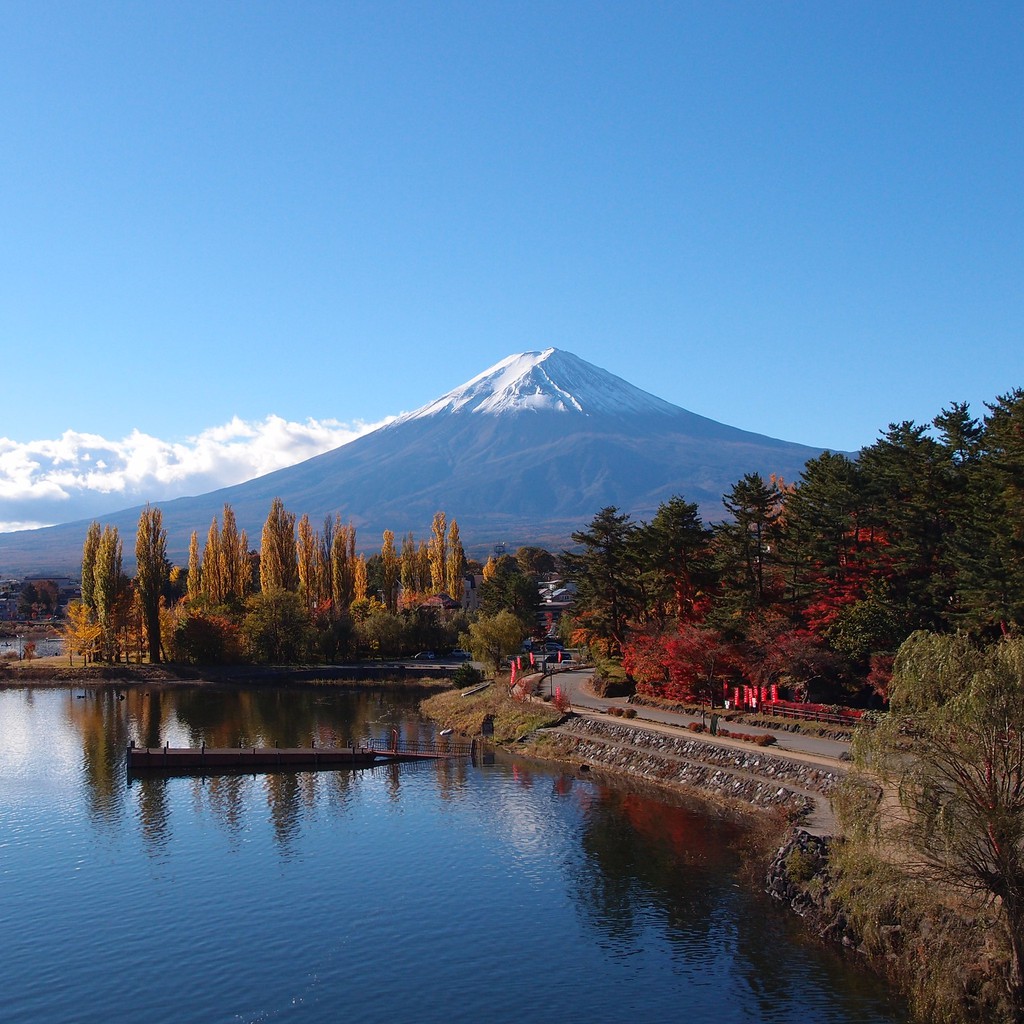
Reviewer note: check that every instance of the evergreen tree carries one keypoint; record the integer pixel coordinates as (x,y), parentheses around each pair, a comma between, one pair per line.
(744,546)
(605,576)
(674,562)
(909,495)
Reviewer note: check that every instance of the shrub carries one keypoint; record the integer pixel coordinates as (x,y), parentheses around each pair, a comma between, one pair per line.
(466,676)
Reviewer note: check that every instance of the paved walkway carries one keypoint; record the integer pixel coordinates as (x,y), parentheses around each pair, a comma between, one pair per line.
(814,749)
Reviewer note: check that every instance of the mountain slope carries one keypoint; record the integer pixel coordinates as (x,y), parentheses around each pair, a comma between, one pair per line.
(526,452)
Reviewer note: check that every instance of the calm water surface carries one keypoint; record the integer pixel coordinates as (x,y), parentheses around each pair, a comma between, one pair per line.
(417,892)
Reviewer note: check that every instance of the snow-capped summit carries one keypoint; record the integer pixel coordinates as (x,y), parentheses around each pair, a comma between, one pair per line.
(551,380)
(526,452)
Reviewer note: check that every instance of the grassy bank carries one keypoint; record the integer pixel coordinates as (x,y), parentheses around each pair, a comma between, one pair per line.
(513,719)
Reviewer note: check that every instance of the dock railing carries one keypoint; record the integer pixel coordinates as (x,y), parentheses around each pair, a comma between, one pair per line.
(443,747)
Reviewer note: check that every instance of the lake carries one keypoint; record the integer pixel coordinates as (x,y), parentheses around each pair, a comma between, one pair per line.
(437,891)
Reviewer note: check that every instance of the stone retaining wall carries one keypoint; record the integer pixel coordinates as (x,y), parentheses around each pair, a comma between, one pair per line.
(752,777)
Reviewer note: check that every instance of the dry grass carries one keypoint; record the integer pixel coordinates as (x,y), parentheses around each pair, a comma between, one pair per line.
(513,719)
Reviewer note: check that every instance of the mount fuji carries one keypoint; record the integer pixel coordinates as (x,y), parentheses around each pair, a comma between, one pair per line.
(524,453)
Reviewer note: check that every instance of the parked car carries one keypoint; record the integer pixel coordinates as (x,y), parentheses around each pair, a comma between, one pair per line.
(461,655)
(423,656)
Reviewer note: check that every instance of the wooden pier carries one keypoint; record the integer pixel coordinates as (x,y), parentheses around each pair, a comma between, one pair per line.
(205,760)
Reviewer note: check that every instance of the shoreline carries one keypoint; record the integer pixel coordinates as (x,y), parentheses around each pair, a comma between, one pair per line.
(343,676)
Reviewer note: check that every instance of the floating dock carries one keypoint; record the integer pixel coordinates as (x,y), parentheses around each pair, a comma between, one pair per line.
(212,760)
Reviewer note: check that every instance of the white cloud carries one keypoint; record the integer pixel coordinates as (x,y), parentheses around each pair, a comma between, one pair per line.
(79,475)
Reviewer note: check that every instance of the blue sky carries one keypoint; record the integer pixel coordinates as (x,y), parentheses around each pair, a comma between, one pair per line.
(234,234)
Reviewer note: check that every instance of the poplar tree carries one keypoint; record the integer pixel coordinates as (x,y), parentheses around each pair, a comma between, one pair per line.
(342,568)
(360,581)
(410,570)
(194,583)
(438,552)
(278,560)
(109,586)
(89,549)
(389,570)
(306,552)
(423,567)
(213,583)
(233,558)
(326,560)
(151,574)
(455,566)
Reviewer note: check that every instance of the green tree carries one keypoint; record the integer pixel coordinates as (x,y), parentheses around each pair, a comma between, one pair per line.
(604,572)
(507,588)
(381,632)
(277,627)
(952,749)
(535,561)
(493,638)
(909,496)
(745,544)
(674,561)
(109,590)
(89,549)
(151,574)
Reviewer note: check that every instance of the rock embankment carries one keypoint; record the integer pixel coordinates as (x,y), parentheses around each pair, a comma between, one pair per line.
(727,771)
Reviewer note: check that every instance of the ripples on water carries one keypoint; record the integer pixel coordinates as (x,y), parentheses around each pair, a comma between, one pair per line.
(421,892)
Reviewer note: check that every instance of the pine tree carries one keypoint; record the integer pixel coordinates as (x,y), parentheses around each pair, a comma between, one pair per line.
(605,575)
(745,546)
(673,555)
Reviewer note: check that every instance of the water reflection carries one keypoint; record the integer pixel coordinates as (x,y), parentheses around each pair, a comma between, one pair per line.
(422,880)
(105,720)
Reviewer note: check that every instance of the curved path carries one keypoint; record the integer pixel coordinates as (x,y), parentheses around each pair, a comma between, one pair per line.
(577,685)
(828,754)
